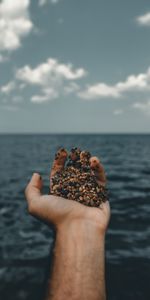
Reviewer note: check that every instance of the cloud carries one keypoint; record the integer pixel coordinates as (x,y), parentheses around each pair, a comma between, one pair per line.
(44,2)
(52,77)
(48,94)
(99,90)
(144,20)
(71,88)
(48,73)
(144,107)
(8,88)
(133,83)
(48,80)
(118,112)
(15,23)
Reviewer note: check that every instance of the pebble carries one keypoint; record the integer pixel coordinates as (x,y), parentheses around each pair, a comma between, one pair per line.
(76,182)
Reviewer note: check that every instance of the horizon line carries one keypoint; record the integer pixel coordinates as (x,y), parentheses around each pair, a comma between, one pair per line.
(74,133)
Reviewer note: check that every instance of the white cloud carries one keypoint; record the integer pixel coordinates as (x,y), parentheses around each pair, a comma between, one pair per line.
(118,112)
(51,78)
(54,78)
(48,73)
(8,88)
(48,94)
(99,90)
(44,2)
(144,20)
(15,23)
(144,107)
(71,88)
(133,83)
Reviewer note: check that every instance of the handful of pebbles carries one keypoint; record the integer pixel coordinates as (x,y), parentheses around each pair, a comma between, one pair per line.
(76,181)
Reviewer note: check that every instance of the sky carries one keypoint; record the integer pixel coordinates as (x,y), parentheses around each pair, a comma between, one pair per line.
(74,66)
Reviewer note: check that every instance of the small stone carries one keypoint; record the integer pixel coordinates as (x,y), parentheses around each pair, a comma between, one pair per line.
(76,182)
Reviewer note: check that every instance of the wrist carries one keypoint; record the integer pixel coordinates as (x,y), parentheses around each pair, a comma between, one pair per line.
(79,260)
(83,228)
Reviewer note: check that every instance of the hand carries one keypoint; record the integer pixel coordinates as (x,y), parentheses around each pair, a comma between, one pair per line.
(60,211)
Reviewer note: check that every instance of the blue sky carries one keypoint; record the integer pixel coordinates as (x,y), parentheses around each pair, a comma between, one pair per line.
(74,66)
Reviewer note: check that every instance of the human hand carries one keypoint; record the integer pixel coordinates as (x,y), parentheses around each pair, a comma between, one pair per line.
(62,212)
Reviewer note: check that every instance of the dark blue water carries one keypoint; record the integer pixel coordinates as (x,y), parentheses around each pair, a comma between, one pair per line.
(25,242)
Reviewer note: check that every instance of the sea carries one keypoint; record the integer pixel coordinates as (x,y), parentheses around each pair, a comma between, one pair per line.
(26,244)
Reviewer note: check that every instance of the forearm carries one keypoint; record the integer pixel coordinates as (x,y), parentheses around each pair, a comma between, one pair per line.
(79,263)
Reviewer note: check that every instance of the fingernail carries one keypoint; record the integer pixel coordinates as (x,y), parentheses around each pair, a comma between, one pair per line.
(36,174)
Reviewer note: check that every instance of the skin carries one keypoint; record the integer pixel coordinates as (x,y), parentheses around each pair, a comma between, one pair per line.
(79,255)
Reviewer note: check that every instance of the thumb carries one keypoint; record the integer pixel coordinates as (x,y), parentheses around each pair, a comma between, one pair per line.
(33,190)
(36,181)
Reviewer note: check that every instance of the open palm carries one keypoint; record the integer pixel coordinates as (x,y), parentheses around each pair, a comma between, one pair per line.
(60,211)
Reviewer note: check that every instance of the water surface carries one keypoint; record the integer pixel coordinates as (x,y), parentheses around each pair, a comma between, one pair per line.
(25,242)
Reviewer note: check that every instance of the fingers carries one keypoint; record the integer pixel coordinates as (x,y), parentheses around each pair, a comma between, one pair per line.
(74,154)
(59,162)
(33,191)
(98,170)
(36,181)
(84,157)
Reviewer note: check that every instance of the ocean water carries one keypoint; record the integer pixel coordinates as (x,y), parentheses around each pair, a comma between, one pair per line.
(25,243)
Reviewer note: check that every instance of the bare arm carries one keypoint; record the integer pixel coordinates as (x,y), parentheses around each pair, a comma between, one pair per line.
(78,268)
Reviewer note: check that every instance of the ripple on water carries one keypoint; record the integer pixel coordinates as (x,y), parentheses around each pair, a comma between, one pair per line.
(24,241)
